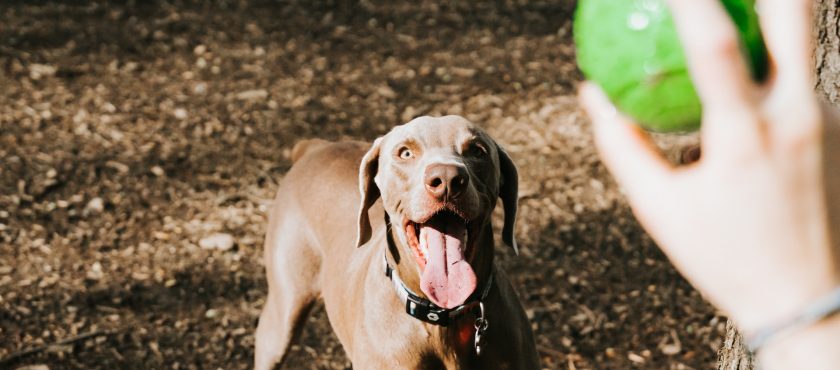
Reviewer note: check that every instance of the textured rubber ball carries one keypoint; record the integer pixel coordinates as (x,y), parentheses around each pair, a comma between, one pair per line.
(631,49)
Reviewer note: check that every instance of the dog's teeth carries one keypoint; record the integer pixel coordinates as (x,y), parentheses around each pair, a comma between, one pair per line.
(424,249)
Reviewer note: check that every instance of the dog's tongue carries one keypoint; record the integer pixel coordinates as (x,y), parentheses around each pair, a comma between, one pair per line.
(448,280)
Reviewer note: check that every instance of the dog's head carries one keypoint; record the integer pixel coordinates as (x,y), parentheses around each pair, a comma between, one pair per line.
(439,179)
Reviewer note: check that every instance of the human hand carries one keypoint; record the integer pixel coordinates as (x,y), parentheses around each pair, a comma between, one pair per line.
(747,224)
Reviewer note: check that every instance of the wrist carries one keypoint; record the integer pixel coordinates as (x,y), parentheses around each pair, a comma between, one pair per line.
(813,347)
(783,300)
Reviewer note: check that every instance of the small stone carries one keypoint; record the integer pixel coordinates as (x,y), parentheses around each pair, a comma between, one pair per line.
(220,241)
(95,272)
(5,270)
(671,349)
(95,205)
(25,311)
(566,341)
(211,313)
(200,49)
(635,358)
(386,92)
(408,114)
(180,113)
(36,71)
(200,88)
(463,72)
(252,95)
(158,171)
(119,167)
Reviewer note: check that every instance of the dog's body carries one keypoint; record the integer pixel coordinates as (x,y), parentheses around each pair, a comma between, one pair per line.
(310,252)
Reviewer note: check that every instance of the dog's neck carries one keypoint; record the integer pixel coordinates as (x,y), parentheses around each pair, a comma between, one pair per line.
(400,257)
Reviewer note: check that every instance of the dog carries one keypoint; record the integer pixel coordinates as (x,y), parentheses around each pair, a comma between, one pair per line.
(396,238)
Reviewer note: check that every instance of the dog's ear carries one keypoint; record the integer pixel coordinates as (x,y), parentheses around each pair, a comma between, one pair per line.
(369,191)
(509,192)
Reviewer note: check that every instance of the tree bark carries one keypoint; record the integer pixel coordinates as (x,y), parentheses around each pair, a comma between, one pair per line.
(827,53)
(733,355)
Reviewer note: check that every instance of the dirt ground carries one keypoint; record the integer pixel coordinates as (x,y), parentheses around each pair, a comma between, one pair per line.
(141,143)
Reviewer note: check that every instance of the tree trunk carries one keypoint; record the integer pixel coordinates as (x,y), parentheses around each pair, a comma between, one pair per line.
(733,355)
(827,54)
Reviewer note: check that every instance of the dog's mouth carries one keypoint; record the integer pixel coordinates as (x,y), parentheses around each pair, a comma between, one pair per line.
(439,245)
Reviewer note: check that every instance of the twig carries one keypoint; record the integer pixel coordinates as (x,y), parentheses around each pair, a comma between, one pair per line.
(66,341)
(551,351)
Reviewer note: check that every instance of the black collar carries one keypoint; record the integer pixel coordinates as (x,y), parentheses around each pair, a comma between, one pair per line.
(423,309)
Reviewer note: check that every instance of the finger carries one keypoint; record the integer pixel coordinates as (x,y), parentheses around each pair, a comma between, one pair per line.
(625,149)
(720,74)
(786,26)
(713,52)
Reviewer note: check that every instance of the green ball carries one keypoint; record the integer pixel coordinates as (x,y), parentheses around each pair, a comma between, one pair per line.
(631,49)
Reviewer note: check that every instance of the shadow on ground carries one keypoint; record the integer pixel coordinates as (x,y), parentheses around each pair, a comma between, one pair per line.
(130,132)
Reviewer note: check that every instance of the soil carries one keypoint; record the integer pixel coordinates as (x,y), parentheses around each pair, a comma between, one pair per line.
(141,143)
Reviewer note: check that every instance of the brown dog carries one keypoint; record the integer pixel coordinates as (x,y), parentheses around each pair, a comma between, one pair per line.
(425,250)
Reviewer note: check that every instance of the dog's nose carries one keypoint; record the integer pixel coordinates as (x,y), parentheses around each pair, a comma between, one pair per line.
(446,180)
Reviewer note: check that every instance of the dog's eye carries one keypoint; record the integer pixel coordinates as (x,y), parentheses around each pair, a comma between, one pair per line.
(405,153)
(476,149)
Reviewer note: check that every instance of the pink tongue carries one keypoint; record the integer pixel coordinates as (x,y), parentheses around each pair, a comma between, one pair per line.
(448,280)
